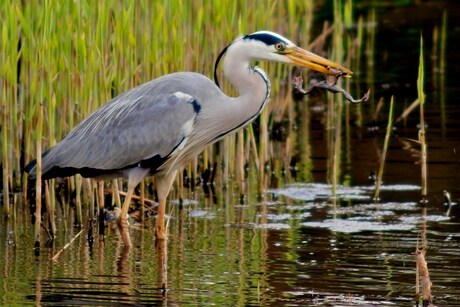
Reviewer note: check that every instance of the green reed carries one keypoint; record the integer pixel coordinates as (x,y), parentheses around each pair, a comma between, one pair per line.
(8,92)
(442,66)
(370,53)
(75,56)
(38,182)
(336,102)
(346,48)
(422,138)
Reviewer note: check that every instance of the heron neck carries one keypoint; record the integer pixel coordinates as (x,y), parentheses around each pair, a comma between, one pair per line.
(251,83)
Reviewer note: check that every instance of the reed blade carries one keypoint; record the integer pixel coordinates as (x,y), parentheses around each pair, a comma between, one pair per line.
(378,182)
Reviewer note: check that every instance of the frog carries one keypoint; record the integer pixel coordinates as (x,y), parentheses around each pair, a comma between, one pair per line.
(328,84)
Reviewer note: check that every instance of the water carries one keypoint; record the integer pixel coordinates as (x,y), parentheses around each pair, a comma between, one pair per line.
(292,249)
(298,245)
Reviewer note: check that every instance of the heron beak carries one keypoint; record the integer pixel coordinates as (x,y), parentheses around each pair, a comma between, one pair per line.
(310,60)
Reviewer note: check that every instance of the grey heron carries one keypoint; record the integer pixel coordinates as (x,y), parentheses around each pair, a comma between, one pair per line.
(157,127)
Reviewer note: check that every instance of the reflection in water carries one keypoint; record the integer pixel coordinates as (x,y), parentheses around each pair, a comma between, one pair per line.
(162,264)
(226,253)
(123,270)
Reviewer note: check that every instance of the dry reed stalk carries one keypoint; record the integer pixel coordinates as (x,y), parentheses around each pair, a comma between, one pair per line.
(72,188)
(422,274)
(356,64)
(320,41)
(101,205)
(38,181)
(142,200)
(370,51)
(48,234)
(5,164)
(116,193)
(5,155)
(424,175)
(211,159)
(434,61)
(78,202)
(421,135)
(139,198)
(247,147)
(50,210)
(240,163)
(9,106)
(84,56)
(224,145)
(231,154)
(254,147)
(5,158)
(263,155)
(88,183)
(423,280)
(87,191)
(56,256)
(378,182)
(441,72)
(205,160)
(337,102)
(442,48)
(408,110)
(378,108)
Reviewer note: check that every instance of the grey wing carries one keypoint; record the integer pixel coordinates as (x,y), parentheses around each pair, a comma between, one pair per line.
(129,129)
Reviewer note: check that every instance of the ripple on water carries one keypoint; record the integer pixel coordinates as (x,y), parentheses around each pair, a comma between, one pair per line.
(273,226)
(202,214)
(353,226)
(315,191)
(354,217)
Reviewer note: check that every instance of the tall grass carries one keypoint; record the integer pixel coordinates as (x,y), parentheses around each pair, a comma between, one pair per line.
(442,66)
(370,53)
(347,44)
(74,56)
(336,102)
(384,151)
(10,108)
(422,138)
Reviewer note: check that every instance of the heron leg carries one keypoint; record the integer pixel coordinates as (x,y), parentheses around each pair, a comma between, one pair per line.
(163,184)
(122,221)
(100,189)
(135,176)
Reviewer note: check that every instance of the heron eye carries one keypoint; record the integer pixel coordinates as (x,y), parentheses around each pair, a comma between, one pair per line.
(279,47)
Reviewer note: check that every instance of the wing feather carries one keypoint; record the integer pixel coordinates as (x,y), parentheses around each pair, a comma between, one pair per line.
(133,127)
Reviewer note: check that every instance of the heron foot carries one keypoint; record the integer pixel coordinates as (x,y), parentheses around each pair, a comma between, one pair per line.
(123,227)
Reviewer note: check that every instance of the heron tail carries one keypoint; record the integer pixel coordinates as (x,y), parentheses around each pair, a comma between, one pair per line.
(30,169)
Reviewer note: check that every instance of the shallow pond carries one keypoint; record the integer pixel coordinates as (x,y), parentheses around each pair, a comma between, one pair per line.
(297,244)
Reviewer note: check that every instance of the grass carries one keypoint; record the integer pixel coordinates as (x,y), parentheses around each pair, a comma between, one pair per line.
(422,138)
(66,59)
(75,56)
(336,102)
(378,182)
(441,72)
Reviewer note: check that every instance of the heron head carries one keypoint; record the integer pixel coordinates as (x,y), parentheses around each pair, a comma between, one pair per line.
(269,46)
